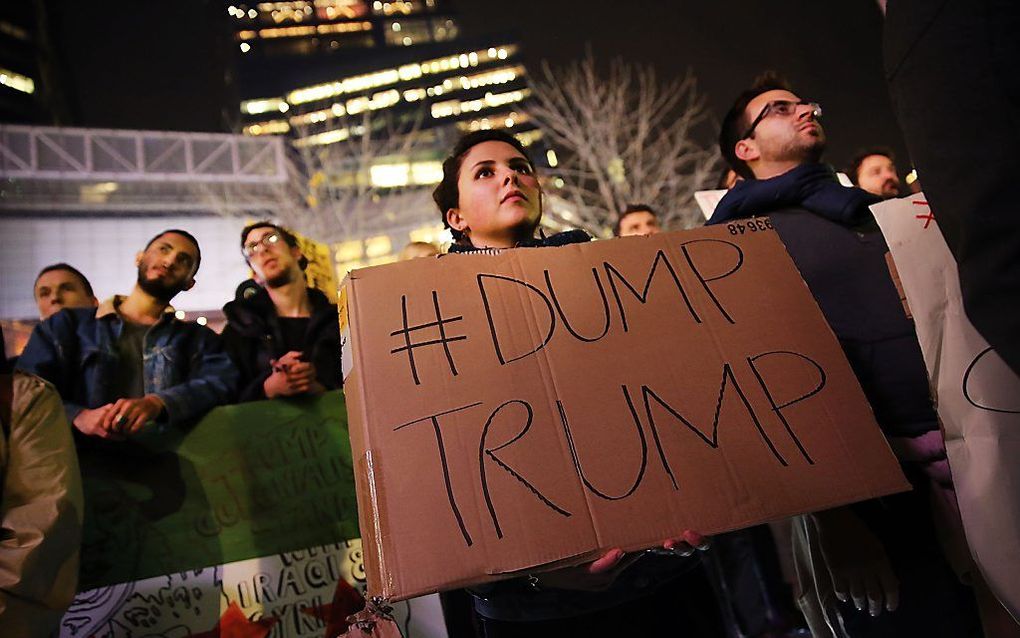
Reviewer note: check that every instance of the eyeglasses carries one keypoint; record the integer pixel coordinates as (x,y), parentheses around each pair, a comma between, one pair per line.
(782,108)
(254,247)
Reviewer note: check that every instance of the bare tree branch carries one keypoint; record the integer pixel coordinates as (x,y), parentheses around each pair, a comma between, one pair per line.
(622,137)
(330,194)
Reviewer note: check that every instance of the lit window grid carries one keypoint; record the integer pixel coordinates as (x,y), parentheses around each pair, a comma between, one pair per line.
(495,121)
(389,98)
(272,127)
(295,32)
(450,108)
(408,32)
(265,105)
(300,10)
(527,138)
(406,72)
(401,7)
(363,253)
(395,175)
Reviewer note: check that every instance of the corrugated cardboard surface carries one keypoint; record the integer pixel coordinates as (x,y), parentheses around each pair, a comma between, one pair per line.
(710,395)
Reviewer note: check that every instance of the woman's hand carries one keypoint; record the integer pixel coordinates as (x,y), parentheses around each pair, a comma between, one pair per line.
(600,573)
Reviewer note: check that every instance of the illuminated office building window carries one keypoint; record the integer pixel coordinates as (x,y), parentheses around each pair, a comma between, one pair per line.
(392,76)
(495,121)
(400,8)
(268,105)
(491,100)
(408,32)
(272,127)
(17,81)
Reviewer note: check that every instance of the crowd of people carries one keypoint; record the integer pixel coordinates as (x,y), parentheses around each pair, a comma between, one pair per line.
(874,569)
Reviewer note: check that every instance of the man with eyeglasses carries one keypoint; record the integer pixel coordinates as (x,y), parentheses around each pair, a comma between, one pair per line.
(130,365)
(880,555)
(283,335)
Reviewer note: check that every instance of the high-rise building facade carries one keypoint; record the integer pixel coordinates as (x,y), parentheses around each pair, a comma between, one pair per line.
(317,71)
(25,56)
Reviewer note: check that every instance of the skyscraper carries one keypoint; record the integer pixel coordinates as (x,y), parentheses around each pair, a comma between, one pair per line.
(28,93)
(333,72)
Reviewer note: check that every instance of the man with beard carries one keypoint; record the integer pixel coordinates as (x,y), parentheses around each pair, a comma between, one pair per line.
(881,555)
(874,170)
(283,335)
(130,364)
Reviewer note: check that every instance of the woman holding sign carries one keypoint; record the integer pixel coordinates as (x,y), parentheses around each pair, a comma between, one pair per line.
(490,199)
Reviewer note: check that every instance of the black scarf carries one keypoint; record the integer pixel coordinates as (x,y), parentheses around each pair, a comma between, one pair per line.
(810,186)
(575,236)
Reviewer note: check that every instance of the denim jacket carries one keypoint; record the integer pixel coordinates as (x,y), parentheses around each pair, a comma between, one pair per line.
(184,363)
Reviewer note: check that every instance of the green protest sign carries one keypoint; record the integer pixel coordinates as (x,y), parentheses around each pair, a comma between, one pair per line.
(248,480)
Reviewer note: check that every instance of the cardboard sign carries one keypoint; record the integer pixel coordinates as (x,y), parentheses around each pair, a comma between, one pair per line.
(523,411)
(978,396)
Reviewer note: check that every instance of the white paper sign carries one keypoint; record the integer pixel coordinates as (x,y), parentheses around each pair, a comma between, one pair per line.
(977,395)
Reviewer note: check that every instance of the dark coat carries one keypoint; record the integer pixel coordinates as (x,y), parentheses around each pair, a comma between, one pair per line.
(846,270)
(252,337)
(184,363)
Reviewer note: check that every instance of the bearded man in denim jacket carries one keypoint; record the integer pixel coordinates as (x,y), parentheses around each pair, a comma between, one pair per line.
(130,363)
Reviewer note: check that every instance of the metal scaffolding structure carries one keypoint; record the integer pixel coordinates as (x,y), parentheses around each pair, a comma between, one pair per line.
(67,170)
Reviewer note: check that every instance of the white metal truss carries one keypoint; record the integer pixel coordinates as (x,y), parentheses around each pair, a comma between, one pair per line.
(46,170)
(35,152)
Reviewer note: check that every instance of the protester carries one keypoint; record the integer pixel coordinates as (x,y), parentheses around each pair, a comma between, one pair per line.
(637,219)
(491,200)
(283,335)
(416,249)
(874,170)
(130,363)
(59,286)
(40,506)
(881,555)
(727,179)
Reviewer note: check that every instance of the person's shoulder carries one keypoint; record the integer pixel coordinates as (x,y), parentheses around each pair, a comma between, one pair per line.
(28,389)
(250,306)
(320,302)
(70,318)
(28,383)
(575,236)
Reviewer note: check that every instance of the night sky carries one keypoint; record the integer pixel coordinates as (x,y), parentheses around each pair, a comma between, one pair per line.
(165,65)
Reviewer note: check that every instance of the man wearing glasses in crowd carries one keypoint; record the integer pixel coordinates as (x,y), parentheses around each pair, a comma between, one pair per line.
(283,335)
(130,364)
(881,555)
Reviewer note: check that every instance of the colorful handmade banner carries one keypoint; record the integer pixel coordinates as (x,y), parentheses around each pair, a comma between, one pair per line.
(249,480)
(307,593)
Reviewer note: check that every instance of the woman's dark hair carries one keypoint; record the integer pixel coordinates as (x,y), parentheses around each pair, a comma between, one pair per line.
(288,237)
(447,195)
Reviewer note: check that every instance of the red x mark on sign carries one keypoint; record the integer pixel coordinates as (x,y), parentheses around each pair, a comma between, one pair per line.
(927,217)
